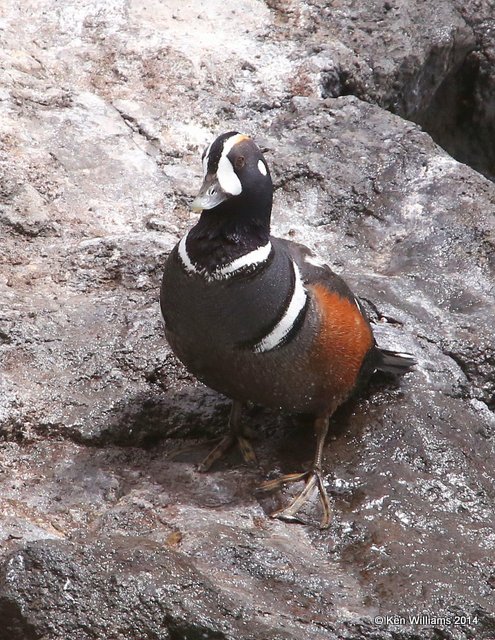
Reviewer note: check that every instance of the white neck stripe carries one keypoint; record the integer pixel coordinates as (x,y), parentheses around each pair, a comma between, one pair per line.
(186,261)
(253,258)
(248,260)
(283,327)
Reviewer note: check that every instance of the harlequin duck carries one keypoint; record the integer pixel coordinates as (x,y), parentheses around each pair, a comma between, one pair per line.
(262,319)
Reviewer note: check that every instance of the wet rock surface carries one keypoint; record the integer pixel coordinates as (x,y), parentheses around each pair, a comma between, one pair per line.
(107,529)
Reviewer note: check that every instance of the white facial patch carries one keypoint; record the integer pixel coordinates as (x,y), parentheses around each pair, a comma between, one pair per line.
(226,175)
(282,328)
(227,178)
(262,167)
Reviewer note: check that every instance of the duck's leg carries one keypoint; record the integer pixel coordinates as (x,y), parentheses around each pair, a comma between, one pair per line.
(313,479)
(236,435)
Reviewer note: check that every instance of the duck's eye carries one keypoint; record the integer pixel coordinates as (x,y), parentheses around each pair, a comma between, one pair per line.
(211,191)
(239,162)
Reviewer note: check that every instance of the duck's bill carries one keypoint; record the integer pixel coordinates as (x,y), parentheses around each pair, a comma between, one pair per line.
(210,195)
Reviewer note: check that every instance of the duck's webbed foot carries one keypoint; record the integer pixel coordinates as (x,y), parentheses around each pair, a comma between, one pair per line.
(236,435)
(313,479)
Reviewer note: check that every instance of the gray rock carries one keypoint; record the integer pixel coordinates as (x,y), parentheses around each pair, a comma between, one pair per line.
(107,529)
(430,63)
(159,593)
(124,587)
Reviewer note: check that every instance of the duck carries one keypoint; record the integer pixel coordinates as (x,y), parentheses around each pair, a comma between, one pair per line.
(263,320)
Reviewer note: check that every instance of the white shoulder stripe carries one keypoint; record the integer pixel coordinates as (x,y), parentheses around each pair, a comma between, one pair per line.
(282,328)
(248,260)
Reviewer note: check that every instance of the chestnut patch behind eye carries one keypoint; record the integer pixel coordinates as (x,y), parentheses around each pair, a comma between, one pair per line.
(239,162)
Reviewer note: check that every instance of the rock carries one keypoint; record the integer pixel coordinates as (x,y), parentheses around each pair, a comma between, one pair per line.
(26,213)
(406,239)
(103,116)
(430,64)
(157,590)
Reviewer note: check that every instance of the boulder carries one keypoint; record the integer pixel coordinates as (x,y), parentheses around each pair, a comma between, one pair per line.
(107,529)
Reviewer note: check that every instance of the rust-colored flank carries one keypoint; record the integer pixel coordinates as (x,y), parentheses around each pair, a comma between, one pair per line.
(343,341)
